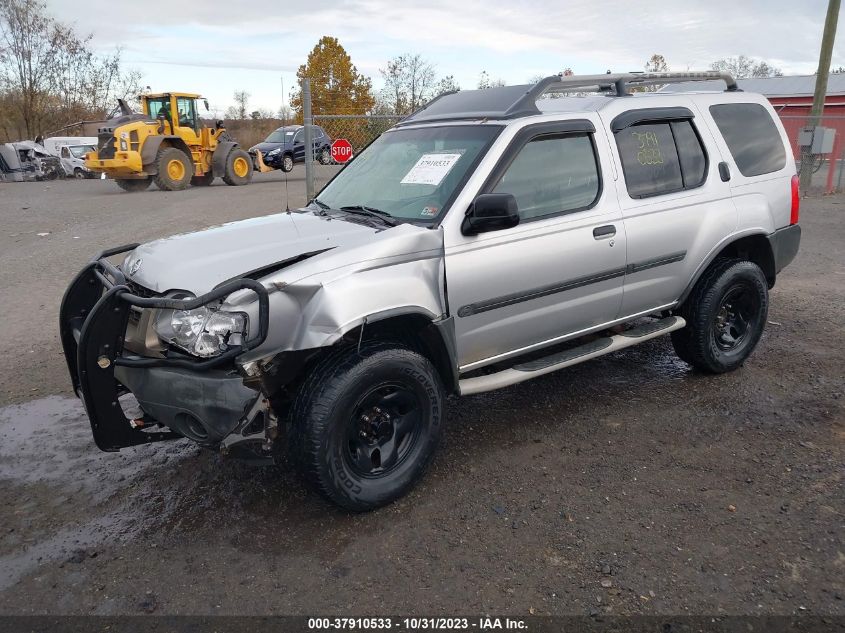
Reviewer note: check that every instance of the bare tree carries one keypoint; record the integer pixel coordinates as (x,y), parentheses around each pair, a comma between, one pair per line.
(49,75)
(743,67)
(446,84)
(409,82)
(241,103)
(484,81)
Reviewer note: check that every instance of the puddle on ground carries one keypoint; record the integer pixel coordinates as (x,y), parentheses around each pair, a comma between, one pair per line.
(63,496)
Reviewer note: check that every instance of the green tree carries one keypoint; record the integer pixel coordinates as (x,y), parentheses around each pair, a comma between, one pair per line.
(336,85)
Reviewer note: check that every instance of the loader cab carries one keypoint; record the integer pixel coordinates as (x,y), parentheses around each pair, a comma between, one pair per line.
(180,111)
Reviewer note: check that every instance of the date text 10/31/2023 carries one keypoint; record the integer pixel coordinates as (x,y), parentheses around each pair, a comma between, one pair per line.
(417,624)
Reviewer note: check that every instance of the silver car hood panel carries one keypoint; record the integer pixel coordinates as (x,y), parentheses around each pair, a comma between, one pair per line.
(197,262)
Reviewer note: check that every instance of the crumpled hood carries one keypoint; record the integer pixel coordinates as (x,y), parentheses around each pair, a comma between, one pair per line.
(197,262)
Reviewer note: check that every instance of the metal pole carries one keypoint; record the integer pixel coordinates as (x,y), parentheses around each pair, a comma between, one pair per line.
(825,56)
(309,139)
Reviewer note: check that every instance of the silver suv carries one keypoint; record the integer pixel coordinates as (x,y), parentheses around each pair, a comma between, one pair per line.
(492,237)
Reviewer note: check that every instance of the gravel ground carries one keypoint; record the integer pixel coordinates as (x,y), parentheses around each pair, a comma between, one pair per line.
(627,485)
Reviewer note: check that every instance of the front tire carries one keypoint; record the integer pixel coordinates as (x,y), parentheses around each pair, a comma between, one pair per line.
(175,169)
(366,423)
(287,163)
(238,168)
(78,173)
(134,184)
(725,314)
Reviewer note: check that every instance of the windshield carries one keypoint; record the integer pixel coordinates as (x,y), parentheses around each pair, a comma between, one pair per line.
(280,136)
(412,174)
(79,151)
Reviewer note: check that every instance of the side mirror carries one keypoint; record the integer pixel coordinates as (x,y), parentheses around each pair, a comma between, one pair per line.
(491,212)
(205,102)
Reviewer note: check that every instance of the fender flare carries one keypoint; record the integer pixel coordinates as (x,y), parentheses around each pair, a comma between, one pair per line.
(218,158)
(718,250)
(151,147)
(437,337)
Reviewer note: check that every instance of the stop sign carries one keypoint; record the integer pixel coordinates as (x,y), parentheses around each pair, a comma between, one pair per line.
(341,150)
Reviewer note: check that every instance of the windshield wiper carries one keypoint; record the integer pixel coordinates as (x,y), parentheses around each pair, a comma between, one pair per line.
(360,209)
(323,206)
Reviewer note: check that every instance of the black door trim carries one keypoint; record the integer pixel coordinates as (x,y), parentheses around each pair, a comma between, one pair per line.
(579,282)
(536,293)
(663,260)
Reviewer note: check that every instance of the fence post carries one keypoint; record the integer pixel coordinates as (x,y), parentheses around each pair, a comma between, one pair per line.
(309,139)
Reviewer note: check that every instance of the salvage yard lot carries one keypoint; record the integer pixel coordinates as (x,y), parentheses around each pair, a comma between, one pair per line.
(629,484)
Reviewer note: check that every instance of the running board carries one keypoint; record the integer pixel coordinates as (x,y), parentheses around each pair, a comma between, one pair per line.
(593,349)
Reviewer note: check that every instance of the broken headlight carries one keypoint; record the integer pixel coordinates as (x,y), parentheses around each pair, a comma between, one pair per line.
(202,332)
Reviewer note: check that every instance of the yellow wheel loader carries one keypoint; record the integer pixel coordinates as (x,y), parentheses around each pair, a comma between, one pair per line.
(168,144)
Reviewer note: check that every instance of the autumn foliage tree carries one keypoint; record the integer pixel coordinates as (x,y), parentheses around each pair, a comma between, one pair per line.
(336,85)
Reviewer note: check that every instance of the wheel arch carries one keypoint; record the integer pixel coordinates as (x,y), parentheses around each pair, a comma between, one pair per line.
(753,247)
(431,335)
(219,156)
(151,146)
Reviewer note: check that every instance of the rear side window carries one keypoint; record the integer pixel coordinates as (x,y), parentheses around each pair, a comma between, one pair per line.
(751,136)
(661,157)
(690,153)
(649,159)
(552,175)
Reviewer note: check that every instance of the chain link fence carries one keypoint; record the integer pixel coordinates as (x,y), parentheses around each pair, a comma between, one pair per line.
(359,129)
(825,170)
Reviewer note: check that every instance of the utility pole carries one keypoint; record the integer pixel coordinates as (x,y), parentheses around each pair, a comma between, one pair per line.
(308,121)
(825,56)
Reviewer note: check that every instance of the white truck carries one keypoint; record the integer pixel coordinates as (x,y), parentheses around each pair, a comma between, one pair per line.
(71,152)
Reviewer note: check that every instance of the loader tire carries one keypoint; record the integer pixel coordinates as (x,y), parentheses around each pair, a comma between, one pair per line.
(175,169)
(238,168)
(134,184)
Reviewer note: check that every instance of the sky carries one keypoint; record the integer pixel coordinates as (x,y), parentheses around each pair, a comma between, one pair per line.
(215,47)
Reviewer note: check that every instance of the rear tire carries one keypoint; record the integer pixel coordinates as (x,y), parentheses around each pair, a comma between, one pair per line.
(725,314)
(203,181)
(238,168)
(134,184)
(175,169)
(365,424)
(325,156)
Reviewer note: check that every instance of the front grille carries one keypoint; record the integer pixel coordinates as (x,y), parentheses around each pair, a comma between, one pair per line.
(139,290)
(105,145)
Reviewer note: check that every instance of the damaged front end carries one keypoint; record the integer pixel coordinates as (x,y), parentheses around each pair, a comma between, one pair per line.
(180,395)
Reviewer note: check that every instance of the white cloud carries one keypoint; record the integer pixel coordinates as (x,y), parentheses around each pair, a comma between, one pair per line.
(230,43)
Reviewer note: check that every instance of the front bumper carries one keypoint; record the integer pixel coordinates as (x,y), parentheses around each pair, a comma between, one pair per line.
(124,163)
(92,321)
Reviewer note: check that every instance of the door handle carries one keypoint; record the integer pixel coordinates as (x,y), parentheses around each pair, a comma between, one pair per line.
(724,171)
(604,232)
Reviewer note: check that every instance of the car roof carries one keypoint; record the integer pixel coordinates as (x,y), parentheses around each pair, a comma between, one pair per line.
(554,94)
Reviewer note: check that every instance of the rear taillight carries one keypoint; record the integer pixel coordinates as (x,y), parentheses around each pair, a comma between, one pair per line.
(796,201)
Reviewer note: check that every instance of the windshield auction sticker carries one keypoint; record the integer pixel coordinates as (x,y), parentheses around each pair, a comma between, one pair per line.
(430,169)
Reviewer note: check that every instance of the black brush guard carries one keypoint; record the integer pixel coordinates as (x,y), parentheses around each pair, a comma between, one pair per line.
(92,324)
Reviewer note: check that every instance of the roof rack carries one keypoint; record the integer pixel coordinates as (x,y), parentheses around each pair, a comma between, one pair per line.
(510,102)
